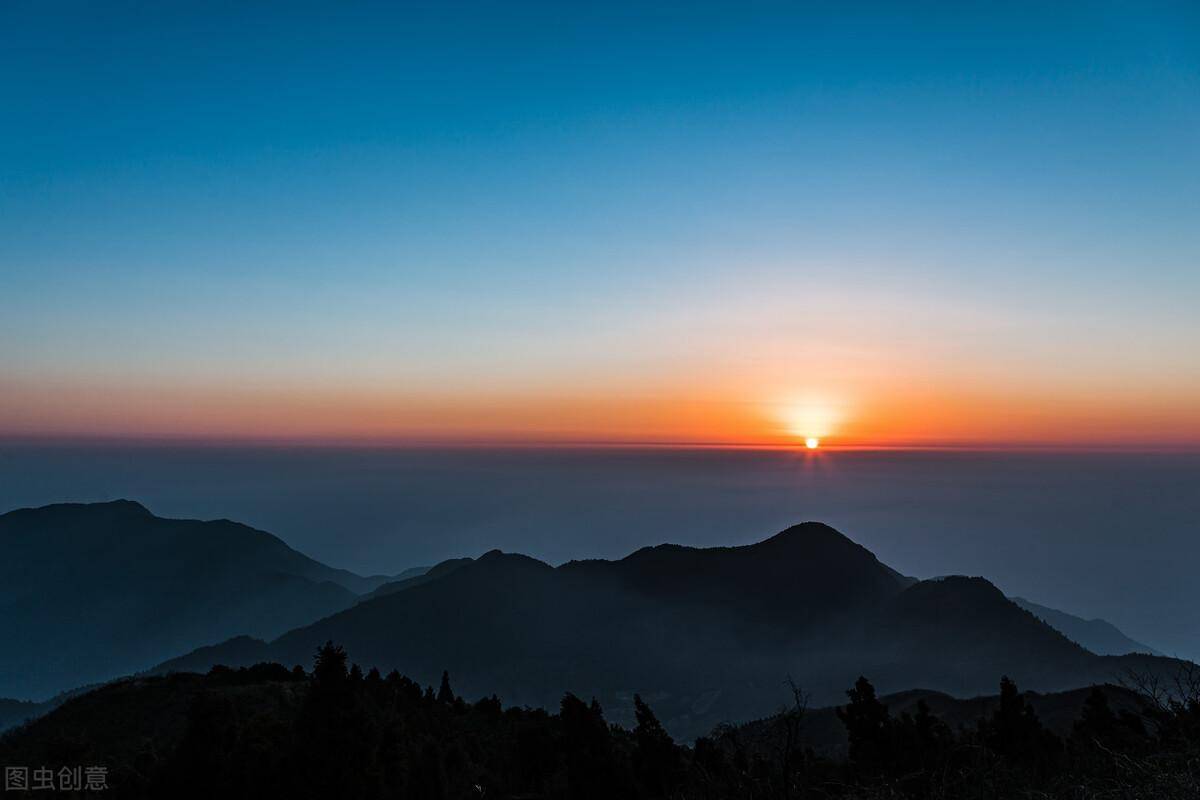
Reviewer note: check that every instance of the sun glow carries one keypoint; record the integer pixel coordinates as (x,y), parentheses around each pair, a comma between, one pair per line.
(810,420)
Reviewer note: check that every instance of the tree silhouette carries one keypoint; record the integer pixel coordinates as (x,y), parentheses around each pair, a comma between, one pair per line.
(260,731)
(591,766)
(329,666)
(868,725)
(1015,732)
(656,759)
(445,694)
(790,720)
(332,729)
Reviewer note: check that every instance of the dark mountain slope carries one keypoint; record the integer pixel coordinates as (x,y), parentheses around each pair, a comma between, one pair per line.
(958,633)
(14,712)
(506,621)
(240,651)
(132,725)
(116,588)
(807,575)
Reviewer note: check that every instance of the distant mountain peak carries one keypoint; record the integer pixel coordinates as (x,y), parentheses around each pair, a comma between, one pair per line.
(809,528)
(501,558)
(121,508)
(966,586)
(808,534)
(125,507)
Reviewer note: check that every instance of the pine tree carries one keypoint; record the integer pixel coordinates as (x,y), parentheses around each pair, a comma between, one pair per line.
(1015,732)
(445,694)
(329,666)
(868,725)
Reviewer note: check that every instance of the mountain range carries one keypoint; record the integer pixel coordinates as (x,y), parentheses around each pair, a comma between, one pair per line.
(706,634)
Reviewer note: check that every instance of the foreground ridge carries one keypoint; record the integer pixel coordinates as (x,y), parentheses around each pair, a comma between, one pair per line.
(271,731)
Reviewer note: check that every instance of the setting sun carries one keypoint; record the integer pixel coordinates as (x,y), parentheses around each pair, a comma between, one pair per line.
(812,443)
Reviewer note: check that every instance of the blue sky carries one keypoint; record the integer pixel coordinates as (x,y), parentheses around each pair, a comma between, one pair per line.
(523,202)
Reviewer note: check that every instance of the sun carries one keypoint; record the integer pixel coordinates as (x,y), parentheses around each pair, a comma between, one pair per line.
(812,442)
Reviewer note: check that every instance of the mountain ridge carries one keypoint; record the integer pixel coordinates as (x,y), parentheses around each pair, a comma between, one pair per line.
(1098,635)
(711,632)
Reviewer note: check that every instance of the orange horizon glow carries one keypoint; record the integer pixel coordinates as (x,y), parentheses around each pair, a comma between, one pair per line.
(909,419)
(851,372)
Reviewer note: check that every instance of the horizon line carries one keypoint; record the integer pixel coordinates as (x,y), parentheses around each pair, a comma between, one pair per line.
(465,443)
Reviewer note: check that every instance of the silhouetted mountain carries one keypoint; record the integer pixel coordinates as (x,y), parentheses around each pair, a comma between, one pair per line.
(238,651)
(710,634)
(90,592)
(947,633)
(1101,637)
(14,712)
(826,576)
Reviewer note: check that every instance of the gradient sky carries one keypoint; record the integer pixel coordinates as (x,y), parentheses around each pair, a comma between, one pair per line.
(883,224)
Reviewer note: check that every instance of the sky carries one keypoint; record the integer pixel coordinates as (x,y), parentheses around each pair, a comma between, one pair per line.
(882,225)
